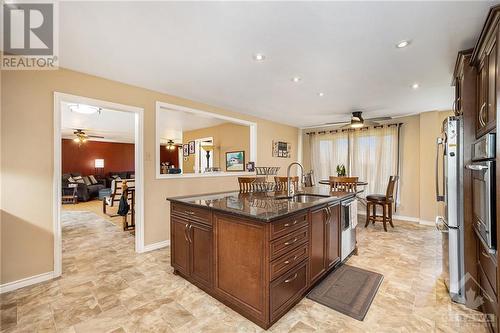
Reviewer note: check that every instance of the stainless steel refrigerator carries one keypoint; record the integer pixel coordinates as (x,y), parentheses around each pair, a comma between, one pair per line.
(449,192)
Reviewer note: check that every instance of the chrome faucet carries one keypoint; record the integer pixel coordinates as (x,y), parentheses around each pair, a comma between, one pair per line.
(289,190)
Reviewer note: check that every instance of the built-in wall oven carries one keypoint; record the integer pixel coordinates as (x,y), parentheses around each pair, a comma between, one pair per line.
(483,190)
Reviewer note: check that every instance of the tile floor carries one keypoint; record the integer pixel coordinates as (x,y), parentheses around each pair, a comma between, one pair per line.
(107,287)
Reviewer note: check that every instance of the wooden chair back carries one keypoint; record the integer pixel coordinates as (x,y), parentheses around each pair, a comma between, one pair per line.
(343,184)
(281,183)
(117,189)
(389,194)
(251,184)
(245,183)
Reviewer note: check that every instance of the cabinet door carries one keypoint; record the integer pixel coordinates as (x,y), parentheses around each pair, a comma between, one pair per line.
(317,244)
(333,236)
(482,90)
(490,113)
(201,253)
(180,245)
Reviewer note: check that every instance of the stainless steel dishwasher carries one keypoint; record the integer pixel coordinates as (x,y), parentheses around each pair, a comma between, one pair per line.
(349,221)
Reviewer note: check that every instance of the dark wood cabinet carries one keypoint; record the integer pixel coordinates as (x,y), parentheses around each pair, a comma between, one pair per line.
(333,236)
(192,249)
(201,253)
(485,59)
(180,245)
(261,270)
(466,81)
(479,119)
(325,240)
(317,256)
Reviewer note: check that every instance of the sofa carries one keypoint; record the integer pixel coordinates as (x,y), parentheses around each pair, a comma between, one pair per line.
(119,175)
(85,191)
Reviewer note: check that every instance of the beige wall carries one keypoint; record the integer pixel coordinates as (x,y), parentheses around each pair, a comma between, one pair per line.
(418,151)
(227,137)
(27,161)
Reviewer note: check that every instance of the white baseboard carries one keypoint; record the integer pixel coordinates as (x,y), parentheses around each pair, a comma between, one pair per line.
(10,286)
(156,246)
(407,218)
(424,222)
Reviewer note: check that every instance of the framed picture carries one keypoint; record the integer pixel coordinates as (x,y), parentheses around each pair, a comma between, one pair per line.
(185,150)
(282,149)
(191,147)
(235,161)
(251,166)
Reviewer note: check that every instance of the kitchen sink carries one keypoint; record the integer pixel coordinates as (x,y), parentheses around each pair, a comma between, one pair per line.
(304,198)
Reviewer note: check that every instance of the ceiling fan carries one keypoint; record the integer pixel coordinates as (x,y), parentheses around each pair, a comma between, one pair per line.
(357,121)
(81,136)
(171,144)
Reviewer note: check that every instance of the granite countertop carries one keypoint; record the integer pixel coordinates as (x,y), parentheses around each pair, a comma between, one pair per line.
(263,206)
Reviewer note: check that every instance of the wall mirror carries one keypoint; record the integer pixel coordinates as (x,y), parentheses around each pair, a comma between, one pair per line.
(195,143)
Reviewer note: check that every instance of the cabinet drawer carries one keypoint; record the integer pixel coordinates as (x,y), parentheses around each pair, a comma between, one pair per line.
(284,244)
(489,300)
(488,266)
(197,214)
(288,288)
(288,261)
(284,226)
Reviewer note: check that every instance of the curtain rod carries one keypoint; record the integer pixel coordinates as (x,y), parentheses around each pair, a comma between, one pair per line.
(353,129)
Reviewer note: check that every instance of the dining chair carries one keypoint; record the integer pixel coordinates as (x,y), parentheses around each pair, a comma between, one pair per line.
(343,184)
(385,201)
(251,184)
(281,183)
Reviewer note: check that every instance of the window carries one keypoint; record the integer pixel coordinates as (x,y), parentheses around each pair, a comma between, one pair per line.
(370,154)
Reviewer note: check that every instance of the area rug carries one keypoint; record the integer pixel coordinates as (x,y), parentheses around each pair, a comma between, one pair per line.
(349,290)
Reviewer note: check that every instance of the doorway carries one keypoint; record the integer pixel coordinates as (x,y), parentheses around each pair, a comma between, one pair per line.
(61,103)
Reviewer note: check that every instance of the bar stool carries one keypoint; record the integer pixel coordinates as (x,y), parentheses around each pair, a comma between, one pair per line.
(385,201)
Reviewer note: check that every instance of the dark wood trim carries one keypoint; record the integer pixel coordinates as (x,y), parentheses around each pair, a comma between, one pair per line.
(488,29)
(465,77)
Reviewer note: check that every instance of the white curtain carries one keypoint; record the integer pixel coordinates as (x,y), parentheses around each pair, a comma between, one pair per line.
(369,154)
(374,157)
(328,151)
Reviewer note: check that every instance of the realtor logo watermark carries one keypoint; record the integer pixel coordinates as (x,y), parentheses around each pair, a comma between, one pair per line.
(29,38)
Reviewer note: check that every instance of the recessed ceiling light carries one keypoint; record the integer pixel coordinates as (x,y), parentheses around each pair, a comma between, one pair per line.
(296,79)
(321,94)
(415,86)
(403,43)
(259,57)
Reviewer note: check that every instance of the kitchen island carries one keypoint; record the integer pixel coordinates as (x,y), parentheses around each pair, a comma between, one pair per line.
(258,253)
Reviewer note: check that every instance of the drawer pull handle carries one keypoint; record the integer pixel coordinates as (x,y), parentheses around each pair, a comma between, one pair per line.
(289,261)
(189,212)
(294,240)
(291,279)
(286,225)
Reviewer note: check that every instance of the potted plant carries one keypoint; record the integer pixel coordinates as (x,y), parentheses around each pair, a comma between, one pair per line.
(341,170)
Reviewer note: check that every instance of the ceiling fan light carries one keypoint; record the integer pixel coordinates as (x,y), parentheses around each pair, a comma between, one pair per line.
(76,139)
(84,109)
(356,124)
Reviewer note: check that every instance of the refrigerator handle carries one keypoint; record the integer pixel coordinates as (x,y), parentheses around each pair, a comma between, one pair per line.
(439,197)
(440,225)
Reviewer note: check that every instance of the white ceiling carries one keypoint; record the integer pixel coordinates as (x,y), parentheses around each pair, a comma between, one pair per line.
(203,51)
(114,126)
(172,123)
